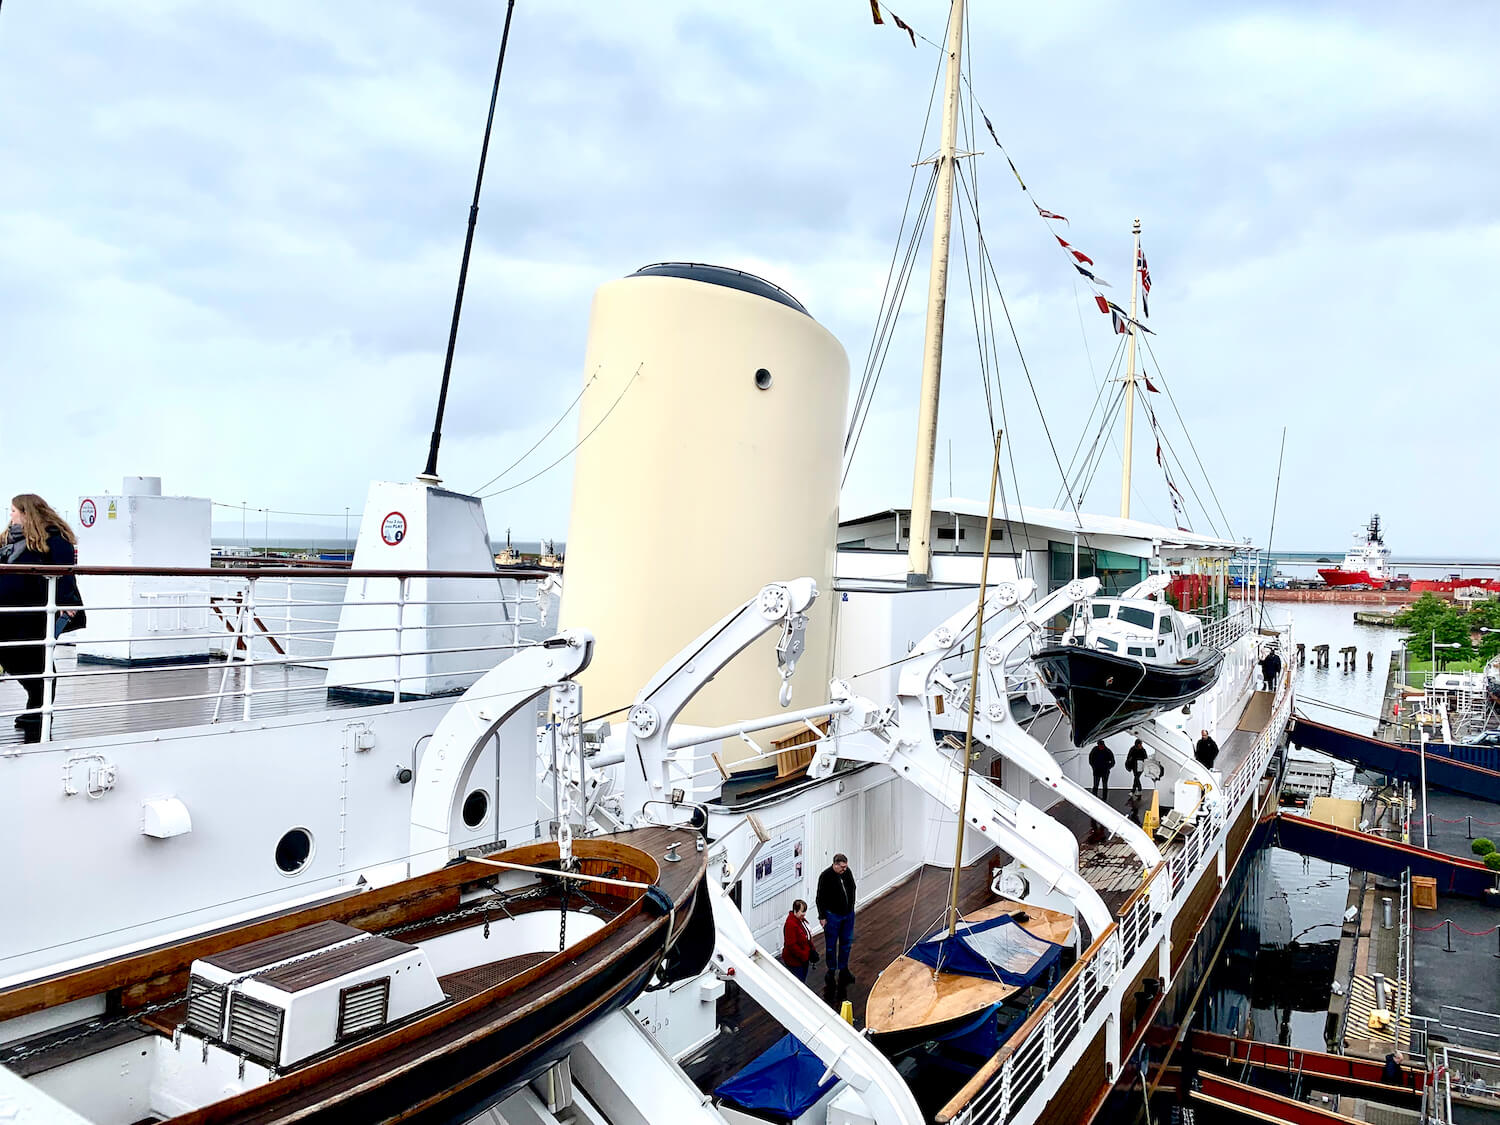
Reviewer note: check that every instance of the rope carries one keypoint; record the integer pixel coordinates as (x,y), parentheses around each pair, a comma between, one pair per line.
(1173,400)
(1456,926)
(576,445)
(1463,820)
(544,437)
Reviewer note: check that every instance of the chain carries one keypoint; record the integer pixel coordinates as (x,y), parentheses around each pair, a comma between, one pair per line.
(501,902)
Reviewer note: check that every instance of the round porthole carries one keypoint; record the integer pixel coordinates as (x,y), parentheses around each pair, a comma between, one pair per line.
(293,850)
(763,379)
(476,808)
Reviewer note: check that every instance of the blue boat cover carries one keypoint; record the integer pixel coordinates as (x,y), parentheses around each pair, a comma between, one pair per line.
(999,949)
(782,1080)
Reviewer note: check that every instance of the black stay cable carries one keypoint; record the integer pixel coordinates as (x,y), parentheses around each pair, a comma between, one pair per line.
(1207,480)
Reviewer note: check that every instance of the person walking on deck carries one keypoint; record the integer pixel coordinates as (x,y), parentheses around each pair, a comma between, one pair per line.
(1270,668)
(1206,751)
(1101,761)
(835,902)
(36,536)
(1135,762)
(797,951)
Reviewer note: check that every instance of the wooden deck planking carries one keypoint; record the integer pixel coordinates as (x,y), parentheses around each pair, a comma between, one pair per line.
(884,929)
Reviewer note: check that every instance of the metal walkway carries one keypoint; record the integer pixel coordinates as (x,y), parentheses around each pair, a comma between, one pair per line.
(1385,857)
(1460,769)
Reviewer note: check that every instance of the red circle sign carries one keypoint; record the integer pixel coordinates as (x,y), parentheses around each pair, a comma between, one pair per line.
(393,529)
(87,513)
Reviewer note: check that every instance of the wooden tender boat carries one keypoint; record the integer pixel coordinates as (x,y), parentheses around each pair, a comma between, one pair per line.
(912,1002)
(422,1000)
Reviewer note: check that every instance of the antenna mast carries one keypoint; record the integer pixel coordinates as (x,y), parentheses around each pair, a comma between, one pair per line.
(919,553)
(430,473)
(1129,454)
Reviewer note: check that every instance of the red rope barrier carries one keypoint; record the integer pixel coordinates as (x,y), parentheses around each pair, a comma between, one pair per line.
(1461,820)
(1456,926)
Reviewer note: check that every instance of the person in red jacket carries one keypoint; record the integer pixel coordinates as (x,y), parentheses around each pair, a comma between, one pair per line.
(797,950)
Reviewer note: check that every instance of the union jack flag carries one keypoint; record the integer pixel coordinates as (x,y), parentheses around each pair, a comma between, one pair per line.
(1140,264)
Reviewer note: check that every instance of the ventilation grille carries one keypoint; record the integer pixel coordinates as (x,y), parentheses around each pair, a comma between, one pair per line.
(363,1006)
(205,1007)
(255,1028)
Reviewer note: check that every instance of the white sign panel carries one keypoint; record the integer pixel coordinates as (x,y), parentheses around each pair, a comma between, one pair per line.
(777,866)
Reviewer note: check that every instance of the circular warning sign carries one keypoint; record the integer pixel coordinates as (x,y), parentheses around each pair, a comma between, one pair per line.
(393,529)
(87,513)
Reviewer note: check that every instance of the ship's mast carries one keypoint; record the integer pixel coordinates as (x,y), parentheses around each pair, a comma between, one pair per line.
(919,554)
(1129,454)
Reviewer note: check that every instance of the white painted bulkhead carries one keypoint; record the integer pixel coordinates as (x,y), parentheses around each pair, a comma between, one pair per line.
(245,785)
(450,630)
(136,618)
(720,410)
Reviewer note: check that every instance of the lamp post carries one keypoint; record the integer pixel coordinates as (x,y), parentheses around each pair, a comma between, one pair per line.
(1422,740)
(1435,647)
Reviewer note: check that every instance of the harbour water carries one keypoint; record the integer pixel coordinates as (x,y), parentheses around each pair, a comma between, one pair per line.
(1287,926)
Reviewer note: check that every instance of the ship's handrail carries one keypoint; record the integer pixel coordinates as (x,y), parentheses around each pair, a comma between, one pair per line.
(1226,630)
(1017,1071)
(251,620)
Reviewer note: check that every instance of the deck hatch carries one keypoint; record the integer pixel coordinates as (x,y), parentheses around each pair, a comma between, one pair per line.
(205,1006)
(255,1027)
(363,1006)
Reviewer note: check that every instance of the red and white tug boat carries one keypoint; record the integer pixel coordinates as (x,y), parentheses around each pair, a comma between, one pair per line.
(1366,564)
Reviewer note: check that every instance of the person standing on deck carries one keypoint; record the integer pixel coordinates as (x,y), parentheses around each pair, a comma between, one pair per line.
(1270,668)
(835,902)
(1206,751)
(1135,762)
(36,536)
(1101,760)
(797,951)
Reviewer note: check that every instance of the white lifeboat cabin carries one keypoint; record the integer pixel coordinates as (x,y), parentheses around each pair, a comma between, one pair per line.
(1138,627)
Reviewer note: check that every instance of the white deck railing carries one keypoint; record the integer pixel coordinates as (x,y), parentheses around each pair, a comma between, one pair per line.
(1068,1017)
(253,629)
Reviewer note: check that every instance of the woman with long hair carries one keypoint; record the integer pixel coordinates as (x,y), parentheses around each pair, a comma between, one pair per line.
(37,536)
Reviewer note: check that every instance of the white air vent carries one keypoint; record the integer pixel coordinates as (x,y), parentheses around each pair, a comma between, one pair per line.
(363,1006)
(255,1028)
(205,1007)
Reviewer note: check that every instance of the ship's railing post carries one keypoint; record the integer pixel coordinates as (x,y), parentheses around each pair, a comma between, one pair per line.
(49,668)
(402,592)
(248,636)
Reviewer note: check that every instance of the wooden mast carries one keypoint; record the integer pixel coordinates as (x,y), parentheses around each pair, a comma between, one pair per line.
(963,793)
(1129,454)
(919,551)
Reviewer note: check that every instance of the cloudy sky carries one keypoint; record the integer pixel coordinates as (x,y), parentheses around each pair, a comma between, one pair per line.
(230,233)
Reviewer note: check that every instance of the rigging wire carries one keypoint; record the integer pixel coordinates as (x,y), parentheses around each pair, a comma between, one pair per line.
(576,445)
(1207,480)
(1275,500)
(545,436)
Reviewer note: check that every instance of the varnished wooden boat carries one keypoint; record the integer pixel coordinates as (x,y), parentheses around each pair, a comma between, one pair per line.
(913,1003)
(491,1026)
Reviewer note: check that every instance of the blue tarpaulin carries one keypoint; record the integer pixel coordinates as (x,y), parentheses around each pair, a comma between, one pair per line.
(781,1081)
(999,949)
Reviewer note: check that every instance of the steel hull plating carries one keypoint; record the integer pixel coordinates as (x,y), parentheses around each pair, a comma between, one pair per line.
(1103,694)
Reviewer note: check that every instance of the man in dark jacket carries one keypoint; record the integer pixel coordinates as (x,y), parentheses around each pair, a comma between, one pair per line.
(1270,667)
(1135,762)
(835,902)
(1206,751)
(1101,760)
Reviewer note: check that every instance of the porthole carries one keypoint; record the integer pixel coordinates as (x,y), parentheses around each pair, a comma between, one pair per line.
(476,808)
(763,378)
(293,850)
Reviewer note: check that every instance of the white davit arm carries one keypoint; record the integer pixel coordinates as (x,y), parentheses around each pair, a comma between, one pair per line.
(1178,748)
(648,760)
(1149,587)
(996,727)
(790,1003)
(905,741)
(514,683)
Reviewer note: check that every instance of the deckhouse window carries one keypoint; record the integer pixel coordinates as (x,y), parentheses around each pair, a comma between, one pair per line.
(1100,611)
(1108,645)
(1135,650)
(1133,615)
(1164,626)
